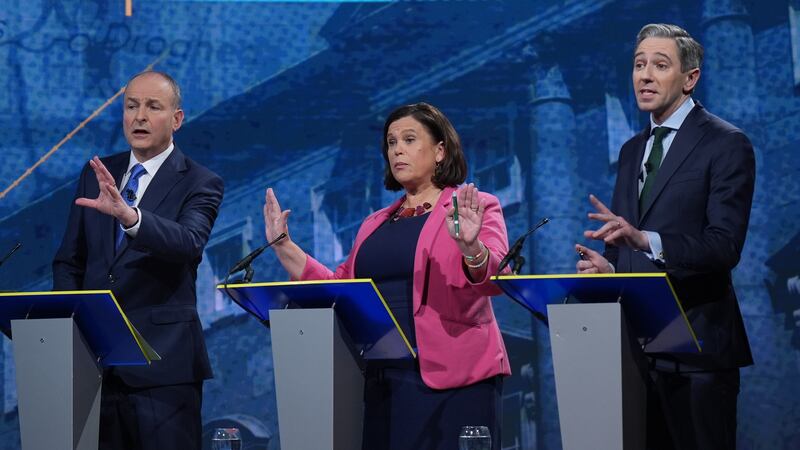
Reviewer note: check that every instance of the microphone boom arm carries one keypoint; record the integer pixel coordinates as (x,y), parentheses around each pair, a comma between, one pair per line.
(516,249)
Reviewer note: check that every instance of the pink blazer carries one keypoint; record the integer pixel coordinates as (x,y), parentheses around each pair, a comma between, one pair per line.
(458,340)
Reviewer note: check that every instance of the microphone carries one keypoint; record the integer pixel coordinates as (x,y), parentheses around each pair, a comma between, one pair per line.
(8,255)
(130,195)
(515,255)
(245,262)
(516,249)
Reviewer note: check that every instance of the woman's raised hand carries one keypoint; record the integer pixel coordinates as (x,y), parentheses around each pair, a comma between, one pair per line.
(470,217)
(275,220)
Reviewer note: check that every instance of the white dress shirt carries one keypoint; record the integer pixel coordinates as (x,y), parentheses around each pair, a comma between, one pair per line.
(151,166)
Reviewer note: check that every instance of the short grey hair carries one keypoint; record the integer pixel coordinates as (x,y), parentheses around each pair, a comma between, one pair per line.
(689,50)
(177,101)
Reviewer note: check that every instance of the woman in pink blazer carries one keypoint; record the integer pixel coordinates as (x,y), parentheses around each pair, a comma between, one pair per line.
(436,281)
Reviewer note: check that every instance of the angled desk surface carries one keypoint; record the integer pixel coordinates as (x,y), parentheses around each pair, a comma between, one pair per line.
(358,303)
(62,341)
(322,331)
(653,310)
(106,328)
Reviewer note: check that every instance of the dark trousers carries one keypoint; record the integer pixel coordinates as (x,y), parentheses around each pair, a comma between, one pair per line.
(155,418)
(402,413)
(692,410)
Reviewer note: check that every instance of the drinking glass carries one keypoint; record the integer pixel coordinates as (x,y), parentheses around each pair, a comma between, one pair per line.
(474,438)
(226,439)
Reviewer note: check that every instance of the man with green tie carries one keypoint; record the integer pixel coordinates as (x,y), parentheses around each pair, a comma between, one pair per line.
(681,205)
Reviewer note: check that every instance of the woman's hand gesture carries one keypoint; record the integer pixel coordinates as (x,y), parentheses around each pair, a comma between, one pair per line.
(275,220)
(470,218)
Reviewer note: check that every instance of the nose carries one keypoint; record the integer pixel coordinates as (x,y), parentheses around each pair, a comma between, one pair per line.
(647,72)
(140,115)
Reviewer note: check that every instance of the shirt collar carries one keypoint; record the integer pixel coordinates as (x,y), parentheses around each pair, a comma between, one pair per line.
(153,164)
(676,119)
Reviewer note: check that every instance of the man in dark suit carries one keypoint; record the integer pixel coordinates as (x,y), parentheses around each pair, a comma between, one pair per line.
(681,205)
(145,245)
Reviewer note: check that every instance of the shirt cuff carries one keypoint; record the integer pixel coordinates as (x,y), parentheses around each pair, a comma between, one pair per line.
(134,229)
(656,252)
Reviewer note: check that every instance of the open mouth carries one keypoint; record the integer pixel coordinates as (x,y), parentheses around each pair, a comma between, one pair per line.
(140,132)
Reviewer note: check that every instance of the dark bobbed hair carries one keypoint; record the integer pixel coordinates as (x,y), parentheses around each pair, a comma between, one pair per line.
(452,170)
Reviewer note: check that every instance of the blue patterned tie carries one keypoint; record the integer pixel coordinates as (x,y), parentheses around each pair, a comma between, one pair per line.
(129,195)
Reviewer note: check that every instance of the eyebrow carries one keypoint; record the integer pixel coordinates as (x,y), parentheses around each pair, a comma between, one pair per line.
(404,130)
(664,55)
(146,100)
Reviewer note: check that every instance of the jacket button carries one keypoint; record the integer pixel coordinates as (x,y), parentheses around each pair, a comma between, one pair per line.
(111,278)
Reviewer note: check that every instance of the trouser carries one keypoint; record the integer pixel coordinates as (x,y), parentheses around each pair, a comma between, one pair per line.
(154,418)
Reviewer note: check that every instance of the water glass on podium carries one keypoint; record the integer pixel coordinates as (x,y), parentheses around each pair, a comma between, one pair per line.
(226,439)
(474,438)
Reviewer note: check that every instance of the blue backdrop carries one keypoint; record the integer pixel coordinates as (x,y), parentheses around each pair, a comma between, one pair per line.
(293,96)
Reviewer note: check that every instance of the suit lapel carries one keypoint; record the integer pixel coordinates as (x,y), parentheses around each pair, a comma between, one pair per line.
(685,142)
(635,171)
(169,174)
(426,242)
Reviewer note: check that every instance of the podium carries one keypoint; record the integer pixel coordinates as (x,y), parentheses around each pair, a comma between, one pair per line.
(62,341)
(601,325)
(322,333)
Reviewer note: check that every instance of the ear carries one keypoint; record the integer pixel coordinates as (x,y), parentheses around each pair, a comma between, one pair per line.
(692,77)
(439,152)
(177,119)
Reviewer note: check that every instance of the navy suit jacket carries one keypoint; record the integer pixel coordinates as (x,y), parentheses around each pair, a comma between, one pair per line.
(152,276)
(700,205)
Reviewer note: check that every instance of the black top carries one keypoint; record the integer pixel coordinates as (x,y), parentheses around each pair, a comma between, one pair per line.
(387,256)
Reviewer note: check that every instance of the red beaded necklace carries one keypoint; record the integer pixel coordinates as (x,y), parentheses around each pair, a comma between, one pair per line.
(410,212)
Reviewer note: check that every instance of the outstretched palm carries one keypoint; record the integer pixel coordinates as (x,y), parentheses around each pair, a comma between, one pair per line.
(109,201)
(275,220)
(470,216)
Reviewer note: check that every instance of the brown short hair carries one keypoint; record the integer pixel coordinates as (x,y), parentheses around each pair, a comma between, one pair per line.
(452,171)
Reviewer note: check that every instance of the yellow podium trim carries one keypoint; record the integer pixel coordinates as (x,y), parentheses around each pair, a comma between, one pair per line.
(149,353)
(344,281)
(612,275)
